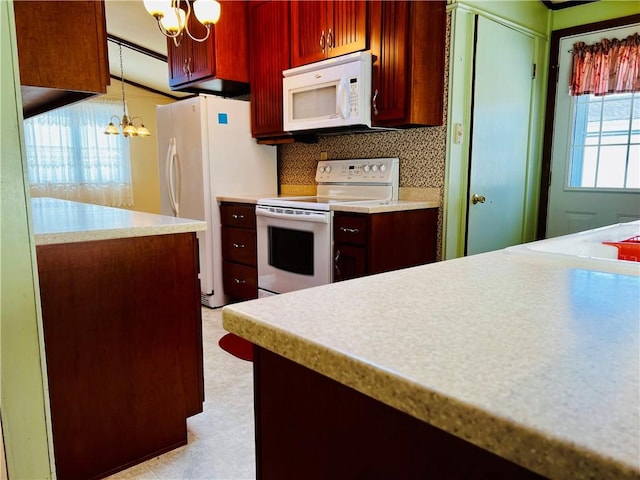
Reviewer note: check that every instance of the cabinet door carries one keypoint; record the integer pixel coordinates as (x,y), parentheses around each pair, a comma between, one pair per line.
(268,57)
(191,60)
(54,70)
(349,262)
(408,40)
(389,44)
(346,27)
(224,55)
(308,31)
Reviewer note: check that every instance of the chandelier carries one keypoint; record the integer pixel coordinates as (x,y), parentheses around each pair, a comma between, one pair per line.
(126,122)
(173,21)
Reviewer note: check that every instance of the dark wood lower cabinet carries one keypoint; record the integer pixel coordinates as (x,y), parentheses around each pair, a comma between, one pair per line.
(123,342)
(365,244)
(310,426)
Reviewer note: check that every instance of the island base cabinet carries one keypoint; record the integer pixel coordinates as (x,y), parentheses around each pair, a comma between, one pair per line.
(123,344)
(310,426)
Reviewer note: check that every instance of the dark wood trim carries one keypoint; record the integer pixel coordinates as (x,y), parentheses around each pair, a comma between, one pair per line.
(554,53)
(138,48)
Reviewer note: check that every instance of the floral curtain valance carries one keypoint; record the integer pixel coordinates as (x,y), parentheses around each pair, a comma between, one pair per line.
(609,66)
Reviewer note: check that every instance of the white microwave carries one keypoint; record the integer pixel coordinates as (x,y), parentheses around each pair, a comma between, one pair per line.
(333,94)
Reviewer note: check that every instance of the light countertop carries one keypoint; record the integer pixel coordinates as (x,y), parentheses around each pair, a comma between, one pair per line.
(535,359)
(369,206)
(62,221)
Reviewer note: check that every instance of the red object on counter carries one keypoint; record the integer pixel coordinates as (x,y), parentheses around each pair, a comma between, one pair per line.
(628,249)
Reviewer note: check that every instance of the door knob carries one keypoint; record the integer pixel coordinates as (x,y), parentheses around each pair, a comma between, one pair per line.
(477,198)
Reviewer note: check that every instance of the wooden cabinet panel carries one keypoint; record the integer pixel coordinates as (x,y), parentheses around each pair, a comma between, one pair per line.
(367,244)
(309,426)
(402,239)
(221,63)
(238,215)
(347,27)
(408,70)
(350,261)
(54,66)
(308,31)
(240,281)
(268,57)
(123,341)
(324,29)
(350,229)
(239,245)
(239,272)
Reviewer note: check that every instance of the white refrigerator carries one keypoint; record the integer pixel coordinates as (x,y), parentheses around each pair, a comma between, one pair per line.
(205,150)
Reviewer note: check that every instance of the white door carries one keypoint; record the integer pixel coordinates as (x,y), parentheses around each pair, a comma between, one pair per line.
(578,198)
(500,137)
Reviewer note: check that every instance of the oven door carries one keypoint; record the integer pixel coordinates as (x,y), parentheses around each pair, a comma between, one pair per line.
(294,249)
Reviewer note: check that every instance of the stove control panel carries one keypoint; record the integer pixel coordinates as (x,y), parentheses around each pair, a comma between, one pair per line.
(365,170)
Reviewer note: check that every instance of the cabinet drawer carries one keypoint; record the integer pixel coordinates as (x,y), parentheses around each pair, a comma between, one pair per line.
(239,245)
(350,229)
(240,282)
(238,215)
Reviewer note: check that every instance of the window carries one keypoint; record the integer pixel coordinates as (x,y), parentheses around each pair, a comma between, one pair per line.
(606,142)
(70,157)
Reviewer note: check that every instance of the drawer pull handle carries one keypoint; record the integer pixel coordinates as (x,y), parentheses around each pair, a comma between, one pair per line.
(237,216)
(239,281)
(349,230)
(238,245)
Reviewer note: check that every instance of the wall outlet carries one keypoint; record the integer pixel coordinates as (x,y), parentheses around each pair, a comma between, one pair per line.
(323,155)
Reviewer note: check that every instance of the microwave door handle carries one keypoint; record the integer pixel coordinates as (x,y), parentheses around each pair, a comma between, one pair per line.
(342,99)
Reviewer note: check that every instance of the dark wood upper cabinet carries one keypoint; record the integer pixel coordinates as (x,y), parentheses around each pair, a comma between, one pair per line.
(408,42)
(60,68)
(325,29)
(268,57)
(221,63)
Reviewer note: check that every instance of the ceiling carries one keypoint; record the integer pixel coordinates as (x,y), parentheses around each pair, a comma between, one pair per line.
(129,21)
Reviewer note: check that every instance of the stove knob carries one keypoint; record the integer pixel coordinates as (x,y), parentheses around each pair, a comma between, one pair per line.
(327,169)
(321,169)
(366,168)
(383,167)
(374,168)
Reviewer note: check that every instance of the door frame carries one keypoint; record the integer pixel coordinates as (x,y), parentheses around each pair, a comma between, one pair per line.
(459,117)
(552,80)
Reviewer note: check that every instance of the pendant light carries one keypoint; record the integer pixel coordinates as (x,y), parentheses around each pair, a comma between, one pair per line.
(126,122)
(173,20)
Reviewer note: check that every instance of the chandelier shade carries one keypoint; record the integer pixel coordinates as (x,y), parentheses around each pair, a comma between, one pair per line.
(173,16)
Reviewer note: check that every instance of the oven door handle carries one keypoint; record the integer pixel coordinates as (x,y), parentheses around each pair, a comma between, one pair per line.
(315,217)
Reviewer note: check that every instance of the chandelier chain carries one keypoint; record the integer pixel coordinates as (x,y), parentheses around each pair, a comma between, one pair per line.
(124,105)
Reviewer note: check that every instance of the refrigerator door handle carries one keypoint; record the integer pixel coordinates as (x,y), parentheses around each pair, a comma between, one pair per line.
(169,167)
(177,182)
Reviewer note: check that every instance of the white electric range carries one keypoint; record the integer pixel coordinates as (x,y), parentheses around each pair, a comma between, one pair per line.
(295,235)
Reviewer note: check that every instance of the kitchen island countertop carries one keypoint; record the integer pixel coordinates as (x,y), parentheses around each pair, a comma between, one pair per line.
(532,358)
(62,221)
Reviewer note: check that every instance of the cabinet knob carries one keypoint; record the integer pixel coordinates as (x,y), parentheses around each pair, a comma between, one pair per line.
(330,40)
(322,41)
